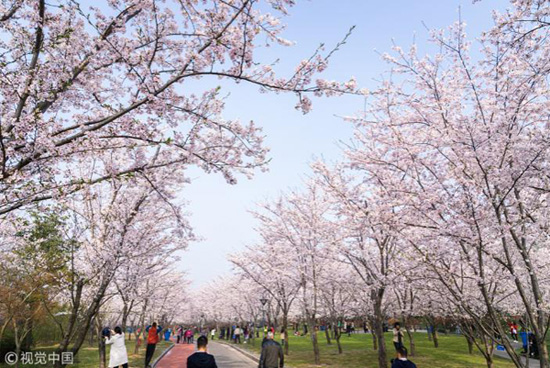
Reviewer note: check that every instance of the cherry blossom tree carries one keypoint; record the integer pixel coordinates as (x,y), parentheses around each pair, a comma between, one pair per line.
(460,146)
(227,302)
(297,224)
(108,226)
(114,76)
(337,296)
(268,267)
(369,242)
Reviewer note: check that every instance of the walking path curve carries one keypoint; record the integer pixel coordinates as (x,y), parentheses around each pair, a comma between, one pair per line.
(226,356)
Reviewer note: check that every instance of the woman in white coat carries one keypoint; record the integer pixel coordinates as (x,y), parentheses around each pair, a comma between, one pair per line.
(118,355)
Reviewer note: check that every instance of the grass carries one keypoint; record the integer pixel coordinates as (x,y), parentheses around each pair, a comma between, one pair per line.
(358,352)
(88,356)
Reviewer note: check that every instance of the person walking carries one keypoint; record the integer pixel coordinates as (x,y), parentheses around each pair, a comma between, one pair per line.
(397,336)
(201,358)
(237,334)
(152,340)
(282,337)
(180,335)
(514,331)
(401,361)
(118,355)
(213,333)
(272,353)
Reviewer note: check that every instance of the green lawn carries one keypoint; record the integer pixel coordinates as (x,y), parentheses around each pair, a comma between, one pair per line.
(88,356)
(358,352)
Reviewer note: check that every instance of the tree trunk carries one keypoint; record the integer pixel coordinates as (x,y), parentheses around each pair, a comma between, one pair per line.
(91,341)
(125,313)
(17,343)
(141,325)
(91,311)
(488,353)
(285,328)
(412,346)
(337,338)
(374,342)
(327,335)
(314,342)
(85,322)
(377,296)
(100,343)
(470,344)
(435,337)
(543,353)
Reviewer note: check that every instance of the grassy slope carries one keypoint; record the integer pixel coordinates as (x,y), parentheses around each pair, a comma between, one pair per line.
(358,352)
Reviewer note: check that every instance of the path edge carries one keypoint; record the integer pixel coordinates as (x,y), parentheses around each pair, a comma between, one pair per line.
(248,354)
(254,357)
(162,355)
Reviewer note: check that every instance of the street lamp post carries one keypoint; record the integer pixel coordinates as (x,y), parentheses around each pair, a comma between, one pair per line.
(263,301)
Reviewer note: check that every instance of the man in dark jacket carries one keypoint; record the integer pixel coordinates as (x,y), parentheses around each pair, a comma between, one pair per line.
(401,361)
(201,359)
(272,353)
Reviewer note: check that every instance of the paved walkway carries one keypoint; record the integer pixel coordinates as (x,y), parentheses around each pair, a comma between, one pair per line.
(176,357)
(226,356)
(503,354)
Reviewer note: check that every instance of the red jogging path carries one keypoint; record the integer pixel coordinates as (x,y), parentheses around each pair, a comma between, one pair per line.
(226,356)
(176,357)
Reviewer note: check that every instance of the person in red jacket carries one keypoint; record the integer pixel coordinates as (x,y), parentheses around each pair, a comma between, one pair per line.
(152,339)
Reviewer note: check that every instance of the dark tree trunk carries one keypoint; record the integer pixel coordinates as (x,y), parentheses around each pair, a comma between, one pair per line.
(377,296)
(327,335)
(412,346)
(141,326)
(470,344)
(125,313)
(314,341)
(100,343)
(337,338)
(435,337)
(285,328)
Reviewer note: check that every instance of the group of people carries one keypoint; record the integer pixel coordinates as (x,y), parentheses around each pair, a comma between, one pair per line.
(184,335)
(528,339)
(235,333)
(118,356)
(401,361)
(272,355)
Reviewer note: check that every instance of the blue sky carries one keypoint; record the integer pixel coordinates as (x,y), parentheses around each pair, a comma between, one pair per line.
(220,211)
